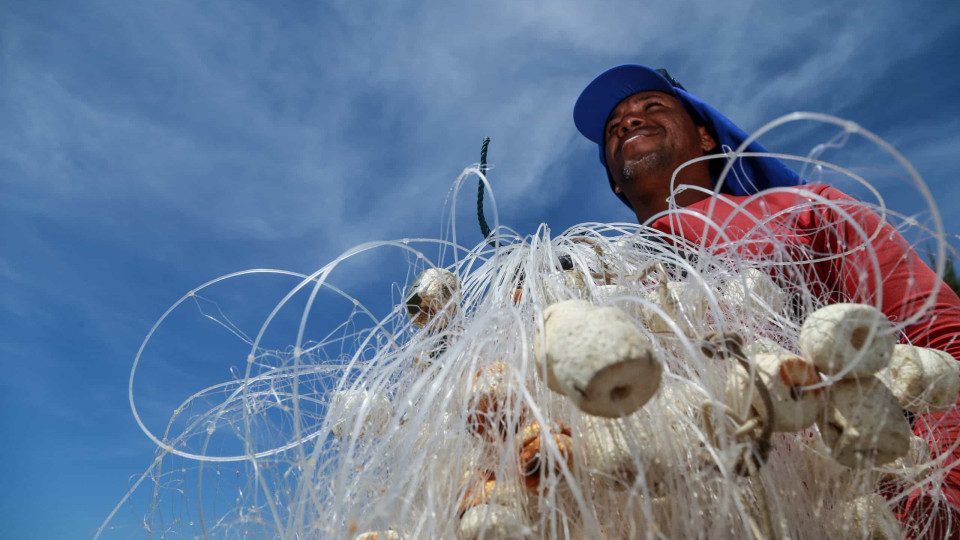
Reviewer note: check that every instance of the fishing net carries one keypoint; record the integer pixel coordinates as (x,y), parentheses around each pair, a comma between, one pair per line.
(610,381)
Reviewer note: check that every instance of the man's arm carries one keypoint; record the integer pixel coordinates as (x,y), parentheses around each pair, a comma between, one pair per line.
(822,223)
(906,284)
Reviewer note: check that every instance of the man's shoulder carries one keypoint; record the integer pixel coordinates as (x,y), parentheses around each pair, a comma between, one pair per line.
(786,194)
(793,200)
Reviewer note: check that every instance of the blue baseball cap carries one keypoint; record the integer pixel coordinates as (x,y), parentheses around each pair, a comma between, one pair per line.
(749,175)
(599,98)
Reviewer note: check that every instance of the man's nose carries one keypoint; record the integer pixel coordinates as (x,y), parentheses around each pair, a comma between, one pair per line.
(629,122)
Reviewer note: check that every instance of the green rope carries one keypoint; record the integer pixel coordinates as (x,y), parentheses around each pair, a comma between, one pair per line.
(484,228)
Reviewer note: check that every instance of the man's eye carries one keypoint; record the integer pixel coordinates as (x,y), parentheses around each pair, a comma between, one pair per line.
(653,104)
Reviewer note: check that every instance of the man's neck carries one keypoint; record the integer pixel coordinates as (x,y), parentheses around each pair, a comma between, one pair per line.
(647,205)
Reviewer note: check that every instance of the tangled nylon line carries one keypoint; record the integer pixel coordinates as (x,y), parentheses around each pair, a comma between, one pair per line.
(493,398)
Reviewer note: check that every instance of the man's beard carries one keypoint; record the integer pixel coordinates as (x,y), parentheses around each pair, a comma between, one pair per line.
(652,163)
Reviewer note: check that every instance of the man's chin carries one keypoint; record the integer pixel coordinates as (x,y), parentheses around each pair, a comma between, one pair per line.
(653,164)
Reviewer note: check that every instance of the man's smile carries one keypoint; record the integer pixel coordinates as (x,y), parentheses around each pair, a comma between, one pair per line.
(637,135)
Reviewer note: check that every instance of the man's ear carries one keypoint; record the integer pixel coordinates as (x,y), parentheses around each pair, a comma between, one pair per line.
(707,142)
(617,190)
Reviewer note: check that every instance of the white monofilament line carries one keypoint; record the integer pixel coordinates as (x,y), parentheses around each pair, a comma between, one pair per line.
(426,432)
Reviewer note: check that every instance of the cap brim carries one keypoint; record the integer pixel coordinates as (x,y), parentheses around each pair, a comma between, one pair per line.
(607,90)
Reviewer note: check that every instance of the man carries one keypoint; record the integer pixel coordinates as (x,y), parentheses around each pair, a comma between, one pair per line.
(650,136)
(647,126)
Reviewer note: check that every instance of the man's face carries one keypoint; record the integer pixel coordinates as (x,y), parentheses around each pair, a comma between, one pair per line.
(651,134)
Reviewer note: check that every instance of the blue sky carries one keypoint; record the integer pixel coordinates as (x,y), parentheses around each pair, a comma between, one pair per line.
(146,148)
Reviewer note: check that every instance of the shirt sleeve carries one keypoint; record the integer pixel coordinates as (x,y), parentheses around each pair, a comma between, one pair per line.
(902,286)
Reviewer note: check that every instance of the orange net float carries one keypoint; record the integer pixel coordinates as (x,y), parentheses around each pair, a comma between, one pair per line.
(534,460)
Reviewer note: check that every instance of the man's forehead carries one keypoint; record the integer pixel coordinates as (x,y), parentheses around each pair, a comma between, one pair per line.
(639,96)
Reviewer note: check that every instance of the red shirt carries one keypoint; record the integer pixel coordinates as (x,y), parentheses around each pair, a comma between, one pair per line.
(807,227)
